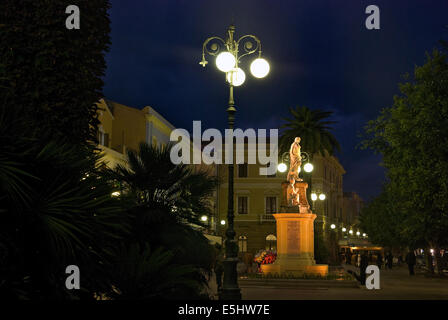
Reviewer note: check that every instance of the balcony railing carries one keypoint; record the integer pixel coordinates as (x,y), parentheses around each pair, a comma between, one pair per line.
(267,217)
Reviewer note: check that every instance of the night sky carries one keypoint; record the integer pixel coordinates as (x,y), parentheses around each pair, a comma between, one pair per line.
(320,52)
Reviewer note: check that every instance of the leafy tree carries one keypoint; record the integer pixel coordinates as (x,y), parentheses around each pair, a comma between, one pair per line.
(382,220)
(55,73)
(412,137)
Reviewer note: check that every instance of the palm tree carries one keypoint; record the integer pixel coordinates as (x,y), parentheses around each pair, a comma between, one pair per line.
(168,201)
(156,183)
(152,274)
(313,128)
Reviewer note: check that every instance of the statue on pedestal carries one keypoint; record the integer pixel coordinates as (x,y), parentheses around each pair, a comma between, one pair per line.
(295,160)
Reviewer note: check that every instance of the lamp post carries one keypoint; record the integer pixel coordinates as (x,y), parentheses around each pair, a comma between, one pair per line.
(228,56)
(314,197)
(307,167)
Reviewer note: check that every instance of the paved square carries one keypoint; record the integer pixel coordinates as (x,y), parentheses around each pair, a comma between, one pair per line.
(396,284)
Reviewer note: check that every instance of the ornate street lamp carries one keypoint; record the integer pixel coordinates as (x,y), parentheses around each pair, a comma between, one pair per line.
(307,167)
(228,56)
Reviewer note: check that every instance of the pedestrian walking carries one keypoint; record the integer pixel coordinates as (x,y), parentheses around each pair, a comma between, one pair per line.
(349,257)
(379,260)
(411,260)
(364,262)
(389,260)
(218,267)
(400,259)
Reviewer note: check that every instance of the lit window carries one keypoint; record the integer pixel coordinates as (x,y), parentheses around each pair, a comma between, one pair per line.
(271,242)
(242,243)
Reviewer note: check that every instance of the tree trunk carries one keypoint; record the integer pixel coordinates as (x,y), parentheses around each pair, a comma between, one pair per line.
(429,260)
(438,260)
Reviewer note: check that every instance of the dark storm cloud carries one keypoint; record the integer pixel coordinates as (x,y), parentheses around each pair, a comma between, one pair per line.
(320,52)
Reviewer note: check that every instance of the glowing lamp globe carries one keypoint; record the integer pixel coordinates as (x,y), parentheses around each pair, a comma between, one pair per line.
(236,77)
(313,196)
(351,232)
(344,229)
(358,233)
(364,234)
(322,197)
(204,218)
(223,222)
(308,167)
(282,167)
(333,226)
(259,68)
(225,61)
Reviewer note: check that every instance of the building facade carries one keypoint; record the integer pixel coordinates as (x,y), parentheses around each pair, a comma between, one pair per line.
(327,179)
(122,128)
(353,204)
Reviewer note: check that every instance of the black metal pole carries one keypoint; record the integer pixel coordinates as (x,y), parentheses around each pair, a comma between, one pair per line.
(230,289)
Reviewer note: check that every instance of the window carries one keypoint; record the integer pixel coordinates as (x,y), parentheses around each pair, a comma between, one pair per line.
(242,205)
(271,205)
(242,243)
(103,138)
(242,170)
(271,242)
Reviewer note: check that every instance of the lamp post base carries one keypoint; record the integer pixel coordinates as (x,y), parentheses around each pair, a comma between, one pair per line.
(230,294)
(230,289)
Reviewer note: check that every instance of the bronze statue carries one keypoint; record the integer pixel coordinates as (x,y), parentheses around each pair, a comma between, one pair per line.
(295,160)
(292,193)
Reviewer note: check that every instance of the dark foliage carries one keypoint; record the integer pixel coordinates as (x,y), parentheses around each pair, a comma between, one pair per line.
(56,210)
(314,129)
(54,73)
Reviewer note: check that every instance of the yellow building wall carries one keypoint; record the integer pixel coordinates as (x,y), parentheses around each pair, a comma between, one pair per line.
(129,128)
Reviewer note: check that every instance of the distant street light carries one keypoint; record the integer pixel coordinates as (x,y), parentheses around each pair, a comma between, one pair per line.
(351,232)
(344,229)
(204,218)
(322,196)
(333,226)
(307,167)
(223,222)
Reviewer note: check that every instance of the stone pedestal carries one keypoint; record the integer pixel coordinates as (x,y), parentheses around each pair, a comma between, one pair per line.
(295,239)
